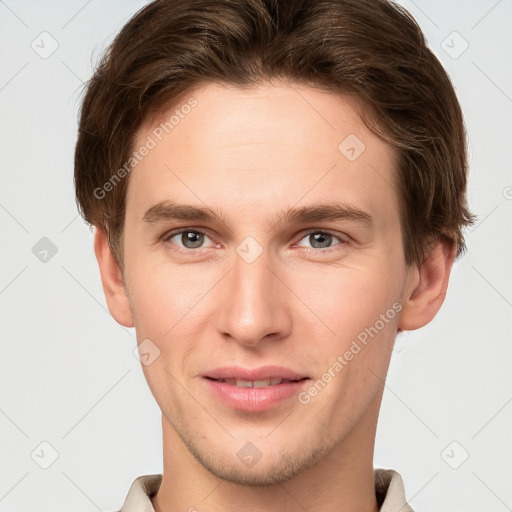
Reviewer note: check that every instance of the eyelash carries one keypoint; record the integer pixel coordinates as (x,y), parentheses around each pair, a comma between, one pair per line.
(171,234)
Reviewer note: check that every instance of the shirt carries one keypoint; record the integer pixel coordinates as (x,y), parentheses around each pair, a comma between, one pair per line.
(389,489)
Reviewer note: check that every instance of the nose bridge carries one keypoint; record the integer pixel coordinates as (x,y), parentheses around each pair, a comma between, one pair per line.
(254,304)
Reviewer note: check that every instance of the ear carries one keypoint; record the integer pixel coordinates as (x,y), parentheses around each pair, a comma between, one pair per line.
(427,285)
(112,279)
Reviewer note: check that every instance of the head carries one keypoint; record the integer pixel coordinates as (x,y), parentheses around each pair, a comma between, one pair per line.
(315,151)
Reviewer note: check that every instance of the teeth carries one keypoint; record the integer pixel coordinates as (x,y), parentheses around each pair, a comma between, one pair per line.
(254,383)
(245,383)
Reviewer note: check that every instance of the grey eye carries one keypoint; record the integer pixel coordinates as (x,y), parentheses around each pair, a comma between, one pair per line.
(192,239)
(319,240)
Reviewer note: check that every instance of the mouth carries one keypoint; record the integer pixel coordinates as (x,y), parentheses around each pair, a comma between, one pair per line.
(262,383)
(254,390)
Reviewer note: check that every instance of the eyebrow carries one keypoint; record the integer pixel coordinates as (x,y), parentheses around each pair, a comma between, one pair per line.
(168,210)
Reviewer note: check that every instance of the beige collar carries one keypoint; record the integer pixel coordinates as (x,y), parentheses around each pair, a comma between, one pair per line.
(389,489)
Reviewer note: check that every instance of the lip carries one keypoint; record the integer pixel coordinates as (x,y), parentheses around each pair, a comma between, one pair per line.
(254,399)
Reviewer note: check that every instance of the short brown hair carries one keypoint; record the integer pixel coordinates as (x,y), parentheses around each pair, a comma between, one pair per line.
(373,49)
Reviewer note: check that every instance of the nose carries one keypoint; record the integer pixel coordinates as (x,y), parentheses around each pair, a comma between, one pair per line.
(255,303)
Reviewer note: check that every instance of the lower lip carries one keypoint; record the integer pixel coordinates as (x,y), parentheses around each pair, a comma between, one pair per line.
(254,399)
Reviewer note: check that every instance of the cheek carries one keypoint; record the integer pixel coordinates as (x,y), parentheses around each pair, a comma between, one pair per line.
(163,295)
(168,309)
(360,306)
(162,301)
(350,299)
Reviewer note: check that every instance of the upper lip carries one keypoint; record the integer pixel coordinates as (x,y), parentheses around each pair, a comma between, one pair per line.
(251,374)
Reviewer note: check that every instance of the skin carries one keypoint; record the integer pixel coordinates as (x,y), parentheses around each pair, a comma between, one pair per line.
(247,155)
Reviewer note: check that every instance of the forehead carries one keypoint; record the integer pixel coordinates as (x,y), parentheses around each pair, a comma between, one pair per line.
(250,149)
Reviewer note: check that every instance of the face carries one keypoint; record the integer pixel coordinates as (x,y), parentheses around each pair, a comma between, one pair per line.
(262,241)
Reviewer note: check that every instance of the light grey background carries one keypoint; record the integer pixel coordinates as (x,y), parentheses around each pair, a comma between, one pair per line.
(68,376)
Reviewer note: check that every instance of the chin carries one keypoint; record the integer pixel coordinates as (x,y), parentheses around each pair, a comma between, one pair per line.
(280,467)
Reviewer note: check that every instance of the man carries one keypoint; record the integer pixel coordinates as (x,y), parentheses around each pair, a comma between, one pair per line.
(277,190)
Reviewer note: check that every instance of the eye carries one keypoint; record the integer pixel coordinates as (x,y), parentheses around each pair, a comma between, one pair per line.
(321,240)
(186,238)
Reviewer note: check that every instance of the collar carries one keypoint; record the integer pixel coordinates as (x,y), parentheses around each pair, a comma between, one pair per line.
(389,489)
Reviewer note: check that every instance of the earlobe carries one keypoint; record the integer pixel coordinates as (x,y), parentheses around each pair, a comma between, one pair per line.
(112,280)
(427,286)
